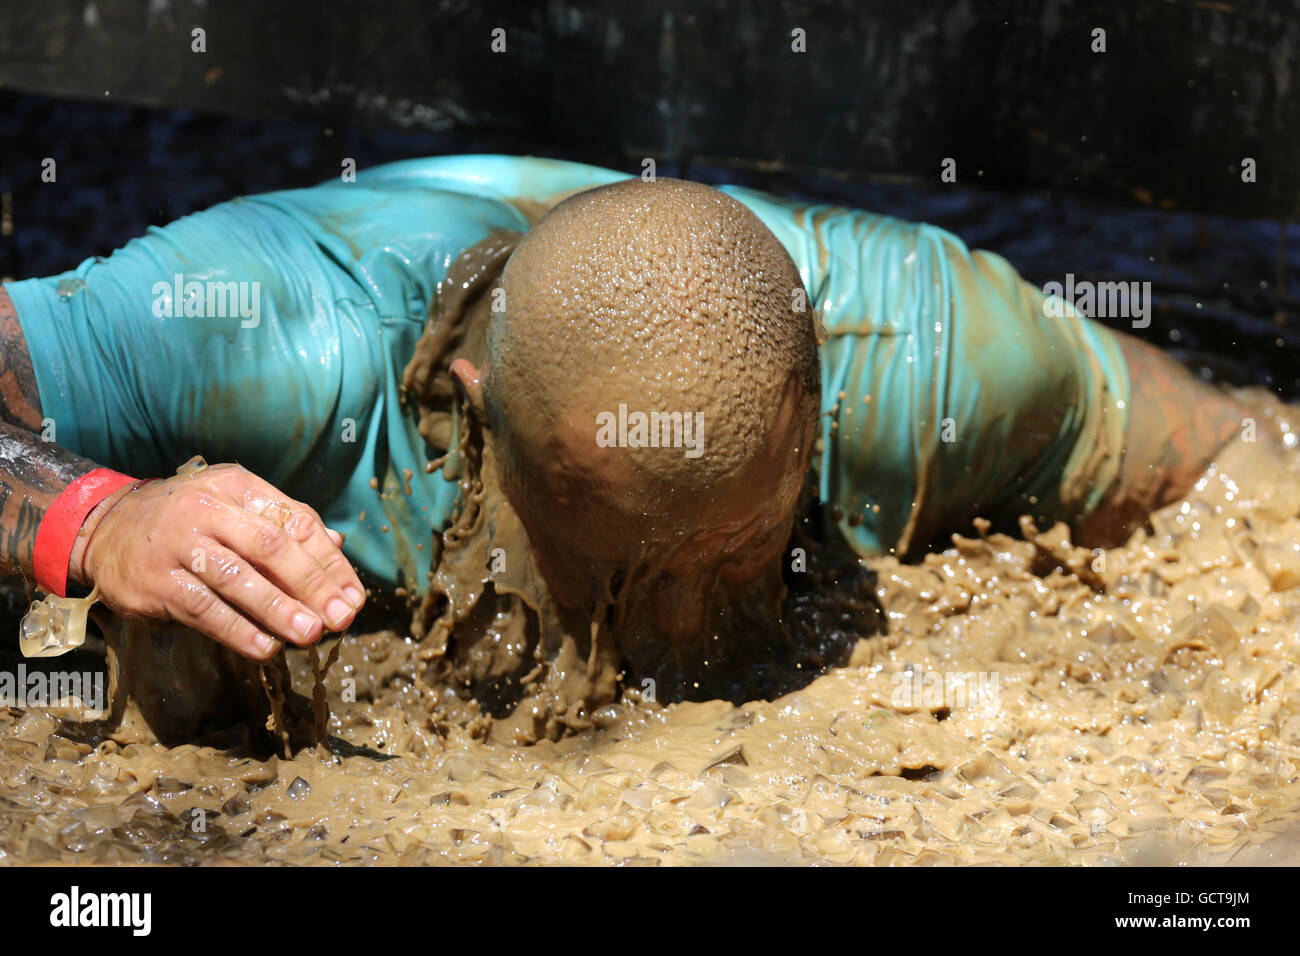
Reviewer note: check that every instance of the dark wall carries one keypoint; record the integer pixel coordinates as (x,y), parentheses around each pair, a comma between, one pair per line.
(1010,89)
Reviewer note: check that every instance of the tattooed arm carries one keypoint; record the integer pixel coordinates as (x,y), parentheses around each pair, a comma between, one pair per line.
(20,406)
(32,472)
(222,552)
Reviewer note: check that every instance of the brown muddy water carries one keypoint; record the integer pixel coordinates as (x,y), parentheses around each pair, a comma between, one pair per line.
(1028,702)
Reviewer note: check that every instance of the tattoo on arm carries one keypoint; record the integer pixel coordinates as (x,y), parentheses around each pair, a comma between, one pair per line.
(32,474)
(20,404)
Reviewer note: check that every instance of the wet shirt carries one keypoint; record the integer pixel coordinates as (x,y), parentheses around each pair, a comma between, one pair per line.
(273,330)
(951,388)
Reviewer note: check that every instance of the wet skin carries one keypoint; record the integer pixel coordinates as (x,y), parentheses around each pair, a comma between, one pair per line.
(596,529)
(1177,425)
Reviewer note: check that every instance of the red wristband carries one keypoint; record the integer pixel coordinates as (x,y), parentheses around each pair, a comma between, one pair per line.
(58,531)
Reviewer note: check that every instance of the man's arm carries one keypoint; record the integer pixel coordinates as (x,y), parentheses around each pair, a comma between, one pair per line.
(1176,426)
(222,551)
(20,406)
(32,472)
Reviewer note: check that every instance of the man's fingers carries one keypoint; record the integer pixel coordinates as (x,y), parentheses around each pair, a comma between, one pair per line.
(308,529)
(196,605)
(288,565)
(241,586)
(311,533)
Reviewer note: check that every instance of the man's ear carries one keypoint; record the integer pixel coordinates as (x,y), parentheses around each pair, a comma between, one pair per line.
(467,382)
(467,379)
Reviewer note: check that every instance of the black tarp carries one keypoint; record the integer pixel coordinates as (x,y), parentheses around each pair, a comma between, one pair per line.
(1013,91)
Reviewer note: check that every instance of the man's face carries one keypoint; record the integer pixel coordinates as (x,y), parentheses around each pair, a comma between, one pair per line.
(603,532)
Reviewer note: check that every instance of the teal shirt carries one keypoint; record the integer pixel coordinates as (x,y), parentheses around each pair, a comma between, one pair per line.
(977,399)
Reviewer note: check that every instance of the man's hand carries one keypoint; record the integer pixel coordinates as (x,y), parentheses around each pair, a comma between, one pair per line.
(223,552)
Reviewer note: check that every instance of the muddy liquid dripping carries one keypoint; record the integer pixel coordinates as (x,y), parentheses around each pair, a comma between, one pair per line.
(498,655)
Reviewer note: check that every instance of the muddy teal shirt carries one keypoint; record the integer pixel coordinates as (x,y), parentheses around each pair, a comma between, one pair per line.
(273,330)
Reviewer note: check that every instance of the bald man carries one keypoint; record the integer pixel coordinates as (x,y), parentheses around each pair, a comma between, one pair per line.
(559,316)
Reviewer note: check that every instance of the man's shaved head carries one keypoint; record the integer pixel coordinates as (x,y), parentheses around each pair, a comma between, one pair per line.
(667,297)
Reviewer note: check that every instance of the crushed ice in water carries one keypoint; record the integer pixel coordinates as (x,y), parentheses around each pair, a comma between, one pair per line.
(55,625)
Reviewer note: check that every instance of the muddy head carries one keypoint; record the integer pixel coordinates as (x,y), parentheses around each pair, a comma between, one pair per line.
(652,384)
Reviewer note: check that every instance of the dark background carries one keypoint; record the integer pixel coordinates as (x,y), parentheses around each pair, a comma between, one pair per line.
(1122,165)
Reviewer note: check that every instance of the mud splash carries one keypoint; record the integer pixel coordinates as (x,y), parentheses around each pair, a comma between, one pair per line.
(1147,711)
(500,657)
(497,656)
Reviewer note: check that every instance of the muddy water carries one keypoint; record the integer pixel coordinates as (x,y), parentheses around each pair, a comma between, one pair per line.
(1028,702)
